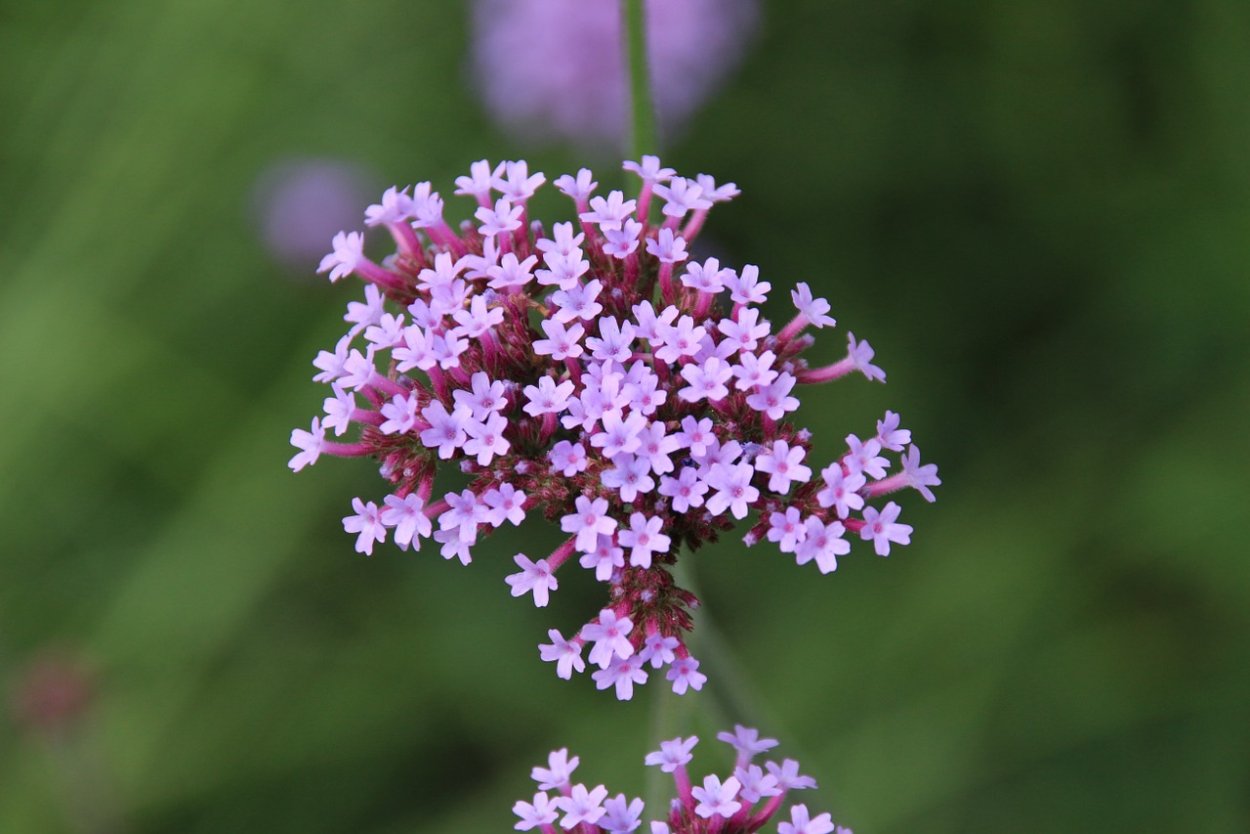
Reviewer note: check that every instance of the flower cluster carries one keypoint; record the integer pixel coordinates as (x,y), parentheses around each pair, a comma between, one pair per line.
(600,377)
(743,802)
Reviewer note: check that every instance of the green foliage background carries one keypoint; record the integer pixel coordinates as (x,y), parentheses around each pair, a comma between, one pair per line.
(1039,213)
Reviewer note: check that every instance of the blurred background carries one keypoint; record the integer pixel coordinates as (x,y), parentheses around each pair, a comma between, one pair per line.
(1038,212)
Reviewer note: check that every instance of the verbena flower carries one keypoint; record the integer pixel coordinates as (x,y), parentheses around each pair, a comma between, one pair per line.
(555,69)
(744,801)
(636,400)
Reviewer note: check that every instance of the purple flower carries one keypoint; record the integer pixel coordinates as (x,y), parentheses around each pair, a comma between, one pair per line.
(309,443)
(919,477)
(746,741)
(642,412)
(558,773)
(783,464)
(621,815)
(644,539)
(539,813)
(610,634)
(605,559)
(822,542)
(621,673)
(367,523)
(685,674)
(882,528)
(566,654)
(756,784)
(801,823)
(582,806)
(673,754)
(747,799)
(535,578)
(716,798)
(407,516)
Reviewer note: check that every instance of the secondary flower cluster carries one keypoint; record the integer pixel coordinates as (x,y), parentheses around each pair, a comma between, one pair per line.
(598,376)
(743,802)
(556,69)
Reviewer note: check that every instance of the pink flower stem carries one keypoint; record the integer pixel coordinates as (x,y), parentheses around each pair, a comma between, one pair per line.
(490,348)
(575,370)
(384,278)
(406,241)
(828,373)
(549,427)
(739,820)
(588,229)
(439,380)
(682,778)
(666,282)
(425,488)
(520,237)
(767,811)
(443,235)
(794,328)
(360,415)
(436,509)
(894,483)
(631,269)
(346,450)
(387,385)
(704,304)
(561,554)
(694,225)
(644,205)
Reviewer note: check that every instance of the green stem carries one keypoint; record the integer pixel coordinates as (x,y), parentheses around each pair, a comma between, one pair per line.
(642,136)
(670,715)
(735,699)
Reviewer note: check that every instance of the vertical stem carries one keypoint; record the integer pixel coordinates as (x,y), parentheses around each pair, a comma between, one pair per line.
(734,698)
(669,715)
(642,136)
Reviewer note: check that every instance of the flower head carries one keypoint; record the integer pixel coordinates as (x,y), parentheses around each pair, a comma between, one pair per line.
(639,403)
(747,799)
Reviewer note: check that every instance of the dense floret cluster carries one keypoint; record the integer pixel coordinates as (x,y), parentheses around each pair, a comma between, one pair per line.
(597,376)
(742,803)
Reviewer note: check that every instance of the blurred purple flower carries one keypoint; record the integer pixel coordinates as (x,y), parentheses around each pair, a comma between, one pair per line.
(300,203)
(555,69)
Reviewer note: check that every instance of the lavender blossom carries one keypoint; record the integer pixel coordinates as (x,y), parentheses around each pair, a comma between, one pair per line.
(638,404)
(744,801)
(555,69)
(301,202)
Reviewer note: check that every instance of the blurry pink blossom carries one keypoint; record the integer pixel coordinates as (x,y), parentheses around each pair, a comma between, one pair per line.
(555,69)
(301,202)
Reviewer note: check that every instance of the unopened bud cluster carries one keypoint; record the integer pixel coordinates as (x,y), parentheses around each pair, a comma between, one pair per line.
(596,376)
